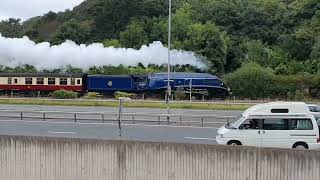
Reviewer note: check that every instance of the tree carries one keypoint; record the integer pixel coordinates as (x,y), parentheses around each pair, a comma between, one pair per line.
(69,69)
(11,28)
(210,43)
(79,32)
(112,42)
(315,51)
(134,36)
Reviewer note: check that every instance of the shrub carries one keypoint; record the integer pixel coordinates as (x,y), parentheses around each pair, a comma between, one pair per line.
(119,94)
(251,81)
(63,94)
(92,95)
(179,94)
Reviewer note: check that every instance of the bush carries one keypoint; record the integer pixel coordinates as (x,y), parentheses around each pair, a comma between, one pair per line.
(63,94)
(119,94)
(92,95)
(253,81)
(179,94)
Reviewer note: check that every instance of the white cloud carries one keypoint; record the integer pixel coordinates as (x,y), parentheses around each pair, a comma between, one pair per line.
(25,9)
(18,51)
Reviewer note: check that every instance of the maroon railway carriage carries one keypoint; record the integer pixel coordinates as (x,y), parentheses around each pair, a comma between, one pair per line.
(41,82)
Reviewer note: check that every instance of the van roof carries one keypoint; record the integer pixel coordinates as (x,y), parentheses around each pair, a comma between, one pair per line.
(278,108)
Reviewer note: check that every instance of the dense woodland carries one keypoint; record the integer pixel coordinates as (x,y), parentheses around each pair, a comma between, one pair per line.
(247,42)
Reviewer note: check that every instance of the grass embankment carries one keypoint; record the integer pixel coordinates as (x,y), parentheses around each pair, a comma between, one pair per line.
(133,104)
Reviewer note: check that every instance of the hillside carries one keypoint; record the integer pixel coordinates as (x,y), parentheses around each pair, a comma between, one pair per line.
(277,37)
(281,34)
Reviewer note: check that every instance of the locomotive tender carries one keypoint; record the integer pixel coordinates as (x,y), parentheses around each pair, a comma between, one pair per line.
(108,84)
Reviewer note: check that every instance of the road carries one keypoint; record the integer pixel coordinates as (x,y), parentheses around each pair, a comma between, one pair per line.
(97,130)
(106,114)
(110,131)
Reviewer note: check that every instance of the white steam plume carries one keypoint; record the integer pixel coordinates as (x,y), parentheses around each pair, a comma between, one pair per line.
(18,51)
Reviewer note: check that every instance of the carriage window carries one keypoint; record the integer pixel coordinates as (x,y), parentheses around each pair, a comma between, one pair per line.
(63,81)
(73,81)
(276,124)
(301,124)
(15,81)
(28,81)
(51,81)
(40,80)
(9,80)
(78,81)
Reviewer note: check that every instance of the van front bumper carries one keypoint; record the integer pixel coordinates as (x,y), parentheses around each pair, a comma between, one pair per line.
(314,146)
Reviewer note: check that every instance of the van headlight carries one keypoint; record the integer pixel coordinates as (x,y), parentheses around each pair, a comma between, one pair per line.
(220,135)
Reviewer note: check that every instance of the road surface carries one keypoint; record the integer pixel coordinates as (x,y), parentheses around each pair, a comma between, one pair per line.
(97,130)
(105,114)
(110,131)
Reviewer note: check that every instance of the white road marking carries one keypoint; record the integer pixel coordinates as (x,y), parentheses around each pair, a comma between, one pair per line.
(198,138)
(52,132)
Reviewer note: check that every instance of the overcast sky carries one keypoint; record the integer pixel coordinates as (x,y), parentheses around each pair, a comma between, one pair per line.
(25,9)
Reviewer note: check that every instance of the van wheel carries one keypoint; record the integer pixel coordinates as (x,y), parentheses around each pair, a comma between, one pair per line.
(234,143)
(300,145)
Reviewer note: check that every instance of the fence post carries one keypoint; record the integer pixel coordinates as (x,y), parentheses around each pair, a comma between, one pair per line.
(180,120)
(21,116)
(132,119)
(102,118)
(75,117)
(202,119)
(44,116)
(159,120)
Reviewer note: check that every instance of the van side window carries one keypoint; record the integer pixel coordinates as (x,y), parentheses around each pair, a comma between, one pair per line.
(301,124)
(280,110)
(250,124)
(276,124)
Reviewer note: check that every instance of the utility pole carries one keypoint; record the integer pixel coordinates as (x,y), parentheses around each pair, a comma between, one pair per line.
(121,101)
(190,86)
(168,94)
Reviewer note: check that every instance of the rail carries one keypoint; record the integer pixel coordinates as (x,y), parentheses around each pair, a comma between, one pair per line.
(110,117)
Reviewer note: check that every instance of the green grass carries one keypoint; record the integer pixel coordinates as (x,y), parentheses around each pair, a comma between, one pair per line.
(135,104)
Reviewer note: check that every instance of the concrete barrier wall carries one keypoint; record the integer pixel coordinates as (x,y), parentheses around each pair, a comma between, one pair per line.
(38,158)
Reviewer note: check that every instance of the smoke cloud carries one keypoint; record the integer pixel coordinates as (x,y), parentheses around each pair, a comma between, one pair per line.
(18,51)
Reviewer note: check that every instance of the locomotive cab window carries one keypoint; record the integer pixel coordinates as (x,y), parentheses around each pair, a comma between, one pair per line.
(28,81)
(51,81)
(63,81)
(40,81)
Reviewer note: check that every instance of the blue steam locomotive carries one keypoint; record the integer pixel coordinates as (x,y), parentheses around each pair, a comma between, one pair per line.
(198,83)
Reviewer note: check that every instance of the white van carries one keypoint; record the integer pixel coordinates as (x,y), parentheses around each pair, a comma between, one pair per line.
(277,124)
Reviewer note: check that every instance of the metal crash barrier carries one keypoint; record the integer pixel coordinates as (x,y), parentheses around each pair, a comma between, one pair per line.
(110,117)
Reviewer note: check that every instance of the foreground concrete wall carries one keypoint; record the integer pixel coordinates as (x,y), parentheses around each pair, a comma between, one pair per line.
(33,158)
